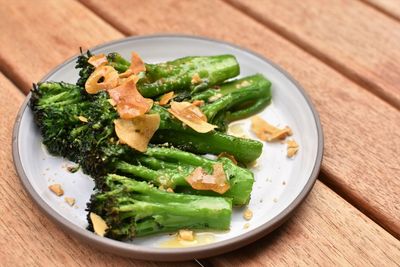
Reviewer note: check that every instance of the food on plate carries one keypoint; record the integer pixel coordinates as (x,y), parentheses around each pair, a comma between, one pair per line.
(292,148)
(140,131)
(56,189)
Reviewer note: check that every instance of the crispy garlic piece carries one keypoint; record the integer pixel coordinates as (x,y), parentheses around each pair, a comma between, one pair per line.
(129,102)
(166,98)
(186,235)
(292,148)
(56,189)
(268,132)
(99,225)
(98,60)
(217,181)
(138,131)
(137,64)
(107,73)
(192,116)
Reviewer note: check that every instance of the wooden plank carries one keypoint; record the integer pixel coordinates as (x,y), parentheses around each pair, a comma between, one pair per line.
(361,156)
(325,231)
(389,7)
(36,37)
(27,238)
(354,38)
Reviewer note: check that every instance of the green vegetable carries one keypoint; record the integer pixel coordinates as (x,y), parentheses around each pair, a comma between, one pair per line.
(236,100)
(169,168)
(132,209)
(176,75)
(58,109)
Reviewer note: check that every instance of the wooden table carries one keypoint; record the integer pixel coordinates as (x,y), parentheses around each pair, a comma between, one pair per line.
(344,53)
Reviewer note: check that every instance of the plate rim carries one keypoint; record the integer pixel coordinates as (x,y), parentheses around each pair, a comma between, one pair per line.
(170,254)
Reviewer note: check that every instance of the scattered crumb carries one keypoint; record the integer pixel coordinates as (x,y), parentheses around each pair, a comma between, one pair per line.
(70,200)
(56,189)
(242,84)
(170,190)
(283,182)
(47,169)
(246,225)
(186,235)
(292,148)
(275,200)
(214,97)
(99,225)
(261,200)
(82,119)
(196,79)
(247,214)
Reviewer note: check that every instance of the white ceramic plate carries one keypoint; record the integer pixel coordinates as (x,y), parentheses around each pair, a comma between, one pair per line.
(280,183)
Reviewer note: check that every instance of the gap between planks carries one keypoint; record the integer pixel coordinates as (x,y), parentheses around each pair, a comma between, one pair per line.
(357,203)
(336,65)
(381,9)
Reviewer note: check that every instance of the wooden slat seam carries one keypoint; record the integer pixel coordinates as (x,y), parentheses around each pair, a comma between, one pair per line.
(381,10)
(6,70)
(360,204)
(104,16)
(336,65)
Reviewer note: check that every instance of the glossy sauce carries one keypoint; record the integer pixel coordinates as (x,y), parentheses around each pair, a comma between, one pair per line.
(177,242)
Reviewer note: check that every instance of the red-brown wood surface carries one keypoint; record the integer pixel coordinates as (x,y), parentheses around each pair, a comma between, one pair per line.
(356,39)
(361,163)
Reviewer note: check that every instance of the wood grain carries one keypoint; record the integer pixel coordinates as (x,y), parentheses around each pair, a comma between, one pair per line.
(27,237)
(339,235)
(354,38)
(36,37)
(389,7)
(361,152)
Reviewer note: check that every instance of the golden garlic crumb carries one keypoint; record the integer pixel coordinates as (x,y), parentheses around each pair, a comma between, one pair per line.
(56,189)
(170,190)
(214,97)
(186,235)
(70,200)
(246,225)
(247,214)
(275,200)
(99,225)
(196,79)
(292,148)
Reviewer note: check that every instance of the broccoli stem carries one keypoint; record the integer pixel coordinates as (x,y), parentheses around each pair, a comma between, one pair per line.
(131,208)
(172,131)
(170,167)
(188,73)
(238,99)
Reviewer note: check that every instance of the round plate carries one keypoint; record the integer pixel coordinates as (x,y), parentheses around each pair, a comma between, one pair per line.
(281,184)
